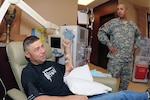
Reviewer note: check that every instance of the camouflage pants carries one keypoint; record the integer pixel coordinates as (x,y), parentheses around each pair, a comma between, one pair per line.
(122,70)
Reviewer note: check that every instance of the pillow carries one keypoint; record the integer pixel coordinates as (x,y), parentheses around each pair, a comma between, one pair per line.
(80,81)
(86,87)
(82,72)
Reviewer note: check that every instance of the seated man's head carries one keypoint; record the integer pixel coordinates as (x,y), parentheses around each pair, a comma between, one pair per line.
(34,50)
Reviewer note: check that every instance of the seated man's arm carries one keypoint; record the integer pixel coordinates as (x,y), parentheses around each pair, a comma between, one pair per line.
(36,94)
(70,97)
(68,57)
(31,91)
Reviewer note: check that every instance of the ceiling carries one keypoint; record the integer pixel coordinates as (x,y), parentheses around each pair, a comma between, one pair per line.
(93,4)
(142,3)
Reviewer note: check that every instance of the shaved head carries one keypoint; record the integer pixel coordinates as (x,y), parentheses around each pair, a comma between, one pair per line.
(123,5)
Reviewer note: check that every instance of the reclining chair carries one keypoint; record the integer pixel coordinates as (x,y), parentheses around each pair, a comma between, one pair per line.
(18,61)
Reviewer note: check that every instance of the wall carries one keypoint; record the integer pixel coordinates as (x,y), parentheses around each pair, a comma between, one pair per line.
(55,11)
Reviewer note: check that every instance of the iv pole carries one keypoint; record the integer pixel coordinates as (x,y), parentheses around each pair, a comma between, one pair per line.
(89,48)
(91,26)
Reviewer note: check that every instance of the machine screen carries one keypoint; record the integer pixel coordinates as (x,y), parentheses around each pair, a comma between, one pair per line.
(55,42)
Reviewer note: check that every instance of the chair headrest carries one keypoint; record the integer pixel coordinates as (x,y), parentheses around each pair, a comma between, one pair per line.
(15,51)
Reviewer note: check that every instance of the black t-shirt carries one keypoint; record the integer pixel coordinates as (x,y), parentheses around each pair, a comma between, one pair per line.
(44,79)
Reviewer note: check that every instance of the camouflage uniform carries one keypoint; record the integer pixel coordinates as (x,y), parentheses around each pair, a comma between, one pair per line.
(124,37)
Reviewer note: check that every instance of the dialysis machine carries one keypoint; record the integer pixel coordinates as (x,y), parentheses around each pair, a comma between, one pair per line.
(79,38)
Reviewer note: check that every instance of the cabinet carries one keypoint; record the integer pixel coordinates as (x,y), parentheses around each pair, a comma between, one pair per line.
(6,74)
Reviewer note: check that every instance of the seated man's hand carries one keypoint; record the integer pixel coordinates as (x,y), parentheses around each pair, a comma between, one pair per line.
(66,43)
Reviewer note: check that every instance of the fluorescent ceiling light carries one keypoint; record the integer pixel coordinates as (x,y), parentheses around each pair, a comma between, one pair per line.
(85,2)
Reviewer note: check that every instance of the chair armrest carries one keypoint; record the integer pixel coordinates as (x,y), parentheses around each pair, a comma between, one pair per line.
(16,94)
(111,82)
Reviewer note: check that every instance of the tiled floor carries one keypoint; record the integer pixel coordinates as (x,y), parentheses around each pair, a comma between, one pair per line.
(140,87)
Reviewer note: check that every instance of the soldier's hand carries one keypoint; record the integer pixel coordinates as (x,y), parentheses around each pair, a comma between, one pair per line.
(112,49)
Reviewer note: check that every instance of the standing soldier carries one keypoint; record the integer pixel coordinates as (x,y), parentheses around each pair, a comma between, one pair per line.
(124,38)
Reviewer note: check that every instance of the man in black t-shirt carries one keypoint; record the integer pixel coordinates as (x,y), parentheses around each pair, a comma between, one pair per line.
(43,80)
